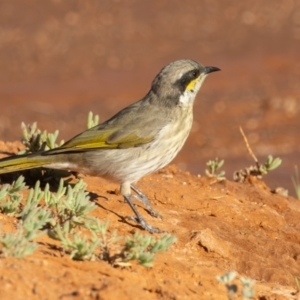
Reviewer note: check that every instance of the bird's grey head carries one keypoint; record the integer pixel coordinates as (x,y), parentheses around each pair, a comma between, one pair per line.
(179,77)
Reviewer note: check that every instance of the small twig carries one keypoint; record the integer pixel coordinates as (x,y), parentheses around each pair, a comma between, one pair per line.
(259,169)
(248,146)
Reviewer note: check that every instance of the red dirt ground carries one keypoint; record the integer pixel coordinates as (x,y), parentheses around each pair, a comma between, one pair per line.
(61,59)
(220,227)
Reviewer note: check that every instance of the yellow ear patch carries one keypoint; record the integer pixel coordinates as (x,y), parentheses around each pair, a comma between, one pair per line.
(192,84)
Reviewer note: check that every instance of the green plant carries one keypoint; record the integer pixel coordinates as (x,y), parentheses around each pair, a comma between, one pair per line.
(10,198)
(65,215)
(21,243)
(227,279)
(35,140)
(70,204)
(99,243)
(247,288)
(247,291)
(213,166)
(33,199)
(92,120)
(80,247)
(143,247)
(33,219)
(16,245)
(106,239)
(53,199)
(270,164)
(259,169)
(296,182)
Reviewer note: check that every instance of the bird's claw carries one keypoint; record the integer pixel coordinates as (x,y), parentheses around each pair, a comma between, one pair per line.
(145,225)
(154,213)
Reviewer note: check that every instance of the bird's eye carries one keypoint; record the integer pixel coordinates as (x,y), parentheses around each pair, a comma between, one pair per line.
(195,73)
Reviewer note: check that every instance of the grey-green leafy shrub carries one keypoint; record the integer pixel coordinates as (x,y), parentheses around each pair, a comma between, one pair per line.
(213,167)
(34,197)
(247,288)
(270,164)
(64,215)
(35,140)
(16,244)
(33,219)
(106,239)
(92,120)
(247,291)
(71,205)
(258,170)
(227,279)
(80,247)
(10,198)
(143,247)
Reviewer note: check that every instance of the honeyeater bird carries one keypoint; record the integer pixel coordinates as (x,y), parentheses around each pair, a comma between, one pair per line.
(138,140)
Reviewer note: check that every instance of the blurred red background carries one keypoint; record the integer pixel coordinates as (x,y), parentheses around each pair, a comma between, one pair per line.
(61,59)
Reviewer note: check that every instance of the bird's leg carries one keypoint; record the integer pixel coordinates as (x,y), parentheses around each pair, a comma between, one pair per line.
(126,192)
(139,219)
(143,198)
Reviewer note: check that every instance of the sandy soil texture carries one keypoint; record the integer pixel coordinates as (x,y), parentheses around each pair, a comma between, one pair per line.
(220,227)
(61,59)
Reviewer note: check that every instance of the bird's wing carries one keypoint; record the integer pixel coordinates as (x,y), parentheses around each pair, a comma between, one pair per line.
(127,129)
(107,138)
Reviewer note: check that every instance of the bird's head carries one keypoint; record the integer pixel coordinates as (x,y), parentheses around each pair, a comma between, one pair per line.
(179,82)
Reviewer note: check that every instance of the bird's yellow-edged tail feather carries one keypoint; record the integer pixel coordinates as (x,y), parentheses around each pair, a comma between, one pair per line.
(22,162)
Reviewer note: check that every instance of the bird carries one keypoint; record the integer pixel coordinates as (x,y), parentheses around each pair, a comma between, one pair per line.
(138,140)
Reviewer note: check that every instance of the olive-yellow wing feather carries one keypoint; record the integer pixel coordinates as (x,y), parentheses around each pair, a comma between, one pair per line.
(107,138)
(128,128)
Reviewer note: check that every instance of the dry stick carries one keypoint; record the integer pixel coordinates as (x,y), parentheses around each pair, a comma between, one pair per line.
(248,146)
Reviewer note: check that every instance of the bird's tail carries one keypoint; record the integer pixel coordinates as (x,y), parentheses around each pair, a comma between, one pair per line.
(22,162)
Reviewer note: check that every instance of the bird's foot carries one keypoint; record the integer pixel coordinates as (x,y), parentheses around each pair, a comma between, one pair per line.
(154,213)
(144,199)
(145,225)
(138,218)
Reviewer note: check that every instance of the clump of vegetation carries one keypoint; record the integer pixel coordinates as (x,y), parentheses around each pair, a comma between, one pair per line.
(144,247)
(87,238)
(258,170)
(16,244)
(10,199)
(92,120)
(35,140)
(213,167)
(64,216)
(32,219)
(247,291)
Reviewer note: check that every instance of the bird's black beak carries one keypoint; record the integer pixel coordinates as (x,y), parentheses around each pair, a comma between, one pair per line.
(211,69)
